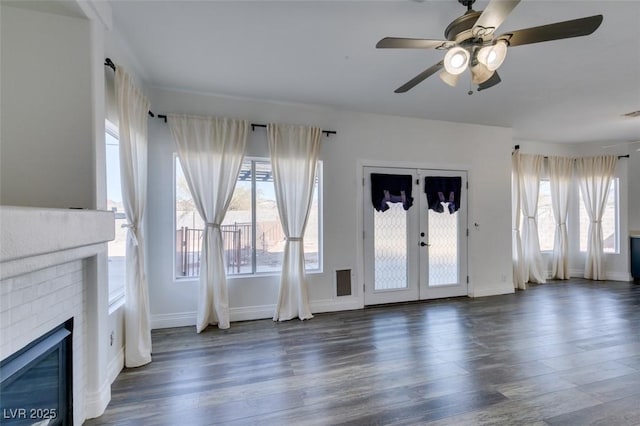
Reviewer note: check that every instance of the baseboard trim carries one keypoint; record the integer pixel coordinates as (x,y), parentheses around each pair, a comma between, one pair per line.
(248,313)
(96,402)
(619,276)
(178,319)
(344,303)
(495,290)
(611,275)
(115,366)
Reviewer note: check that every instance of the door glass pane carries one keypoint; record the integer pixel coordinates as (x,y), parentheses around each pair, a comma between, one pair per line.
(443,251)
(390,248)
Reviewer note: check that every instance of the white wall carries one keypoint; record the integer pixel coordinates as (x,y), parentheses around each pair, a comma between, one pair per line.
(47,135)
(616,264)
(362,138)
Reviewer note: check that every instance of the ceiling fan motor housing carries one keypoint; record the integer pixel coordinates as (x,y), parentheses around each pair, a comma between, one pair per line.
(460,28)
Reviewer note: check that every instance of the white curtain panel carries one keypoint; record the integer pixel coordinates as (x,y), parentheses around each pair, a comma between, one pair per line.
(560,173)
(294,156)
(595,175)
(519,279)
(211,151)
(530,170)
(132,130)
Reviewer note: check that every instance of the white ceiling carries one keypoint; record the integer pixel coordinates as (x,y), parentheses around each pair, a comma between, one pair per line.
(323,52)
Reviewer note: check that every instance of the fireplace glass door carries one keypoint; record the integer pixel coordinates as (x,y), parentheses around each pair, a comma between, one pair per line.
(35,382)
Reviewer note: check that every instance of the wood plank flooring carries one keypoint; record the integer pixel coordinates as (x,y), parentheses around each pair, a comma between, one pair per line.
(563,353)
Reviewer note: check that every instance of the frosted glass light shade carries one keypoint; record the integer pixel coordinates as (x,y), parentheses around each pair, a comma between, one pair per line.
(493,56)
(450,79)
(480,74)
(456,60)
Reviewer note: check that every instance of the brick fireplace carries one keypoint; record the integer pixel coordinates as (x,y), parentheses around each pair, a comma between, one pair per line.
(50,273)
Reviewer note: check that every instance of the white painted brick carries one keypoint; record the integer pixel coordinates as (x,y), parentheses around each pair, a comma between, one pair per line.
(29,294)
(6,286)
(5,318)
(77,277)
(40,306)
(6,302)
(69,267)
(22,281)
(19,313)
(45,288)
(42,275)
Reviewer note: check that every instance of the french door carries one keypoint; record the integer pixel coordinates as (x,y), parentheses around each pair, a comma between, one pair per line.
(415,253)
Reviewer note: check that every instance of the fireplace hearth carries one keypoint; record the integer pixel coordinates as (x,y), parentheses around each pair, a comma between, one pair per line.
(36,382)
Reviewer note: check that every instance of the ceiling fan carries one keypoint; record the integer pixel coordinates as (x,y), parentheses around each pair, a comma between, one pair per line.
(471,43)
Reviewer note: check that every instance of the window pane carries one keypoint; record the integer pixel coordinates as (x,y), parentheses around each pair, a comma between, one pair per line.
(311,233)
(237,228)
(189,228)
(609,221)
(546,221)
(270,237)
(115,248)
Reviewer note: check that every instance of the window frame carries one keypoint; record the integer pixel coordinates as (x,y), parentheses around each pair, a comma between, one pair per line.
(116,298)
(254,272)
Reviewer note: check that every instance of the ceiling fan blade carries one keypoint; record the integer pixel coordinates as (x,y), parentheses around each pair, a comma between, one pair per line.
(493,16)
(493,80)
(559,30)
(410,43)
(420,78)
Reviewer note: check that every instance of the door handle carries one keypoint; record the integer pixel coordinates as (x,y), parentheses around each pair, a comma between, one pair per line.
(422,244)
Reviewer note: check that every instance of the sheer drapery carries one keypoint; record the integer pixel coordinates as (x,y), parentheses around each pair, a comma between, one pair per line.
(595,175)
(560,172)
(519,279)
(530,167)
(294,156)
(211,151)
(132,131)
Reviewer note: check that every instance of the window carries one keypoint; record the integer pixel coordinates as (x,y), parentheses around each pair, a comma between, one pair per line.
(546,221)
(252,235)
(115,248)
(610,232)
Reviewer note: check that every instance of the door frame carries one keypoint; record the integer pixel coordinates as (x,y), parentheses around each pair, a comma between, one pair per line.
(362,198)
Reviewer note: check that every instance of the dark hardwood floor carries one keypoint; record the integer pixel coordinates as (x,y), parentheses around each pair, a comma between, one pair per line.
(563,353)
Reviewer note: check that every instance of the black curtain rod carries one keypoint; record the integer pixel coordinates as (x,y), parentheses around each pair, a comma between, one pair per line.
(254,125)
(517,147)
(109,63)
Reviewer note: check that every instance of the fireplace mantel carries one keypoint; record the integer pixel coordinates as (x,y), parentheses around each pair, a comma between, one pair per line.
(33,238)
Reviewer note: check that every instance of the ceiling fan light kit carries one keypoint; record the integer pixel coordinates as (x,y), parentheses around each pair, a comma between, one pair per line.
(494,55)
(480,73)
(449,78)
(456,60)
(471,43)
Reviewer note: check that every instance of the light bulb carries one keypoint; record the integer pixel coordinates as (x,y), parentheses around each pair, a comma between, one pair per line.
(493,56)
(456,60)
